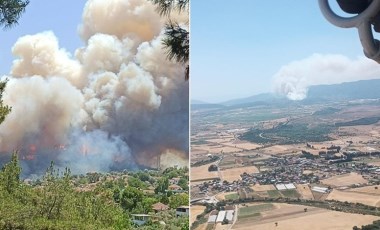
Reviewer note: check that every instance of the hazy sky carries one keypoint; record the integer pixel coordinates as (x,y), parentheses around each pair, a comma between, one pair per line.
(60,16)
(238,46)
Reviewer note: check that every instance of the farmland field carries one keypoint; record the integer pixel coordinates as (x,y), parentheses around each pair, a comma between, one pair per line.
(233,196)
(254,210)
(201,173)
(294,217)
(355,197)
(291,193)
(261,188)
(233,174)
(344,180)
(274,193)
(195,210)
(305,191)
(374,190)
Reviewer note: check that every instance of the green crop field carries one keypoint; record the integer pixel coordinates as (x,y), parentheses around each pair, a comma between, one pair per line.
(233,196)
(273,193)
(291,193)
(252,211)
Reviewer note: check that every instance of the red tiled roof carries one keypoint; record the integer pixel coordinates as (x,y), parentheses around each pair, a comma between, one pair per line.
(160,206)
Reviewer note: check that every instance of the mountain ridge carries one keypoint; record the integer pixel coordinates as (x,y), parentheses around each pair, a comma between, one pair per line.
(362,89)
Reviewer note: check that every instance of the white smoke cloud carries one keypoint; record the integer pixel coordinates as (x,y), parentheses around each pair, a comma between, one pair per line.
(40,55)
(42,109)
(118,96)
(294,79)
(122,18)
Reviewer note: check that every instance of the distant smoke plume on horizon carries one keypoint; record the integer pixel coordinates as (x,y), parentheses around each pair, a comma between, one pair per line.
(116,103)
(294,79)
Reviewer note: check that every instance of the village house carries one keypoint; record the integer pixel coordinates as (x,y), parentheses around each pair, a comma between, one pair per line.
(140,219)
(158,207)
(175,188)
(182,211)
(174,180)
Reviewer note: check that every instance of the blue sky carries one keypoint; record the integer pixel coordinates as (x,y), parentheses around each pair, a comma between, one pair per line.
(60,16)
(237,46)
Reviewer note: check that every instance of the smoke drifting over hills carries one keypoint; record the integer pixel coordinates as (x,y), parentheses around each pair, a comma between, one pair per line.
(294,79)
(117,103)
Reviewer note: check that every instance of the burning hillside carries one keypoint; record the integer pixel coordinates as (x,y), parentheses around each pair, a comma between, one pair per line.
(116,103)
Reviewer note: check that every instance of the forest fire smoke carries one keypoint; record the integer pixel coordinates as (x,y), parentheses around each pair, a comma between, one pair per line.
(294,79)
(118,97)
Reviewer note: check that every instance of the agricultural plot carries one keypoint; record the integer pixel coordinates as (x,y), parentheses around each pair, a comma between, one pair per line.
(243,145)
(373,190)
(344,180)
(227,162)
(274,193)
(227,196)
(305,191)
(233,196)
(195,210)
(355,197)
(254,210)
(196,151)
(220,149)
(219,140)
(233,174)
(294,217)
(262,188)
(282,149)
(201,173)
(290,193)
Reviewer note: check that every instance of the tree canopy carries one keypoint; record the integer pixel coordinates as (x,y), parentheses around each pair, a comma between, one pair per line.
(4,109)
(55,202)
(176,39)
(11,11)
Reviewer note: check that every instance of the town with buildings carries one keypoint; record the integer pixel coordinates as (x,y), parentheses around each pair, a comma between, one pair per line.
(237,182)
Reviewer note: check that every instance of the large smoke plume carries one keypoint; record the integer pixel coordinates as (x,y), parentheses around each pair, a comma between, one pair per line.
(294,79)
(116,103)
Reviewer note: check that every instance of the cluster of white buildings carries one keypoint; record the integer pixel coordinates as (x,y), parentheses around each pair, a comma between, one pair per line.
(220,216)
(320,189)
(285,186)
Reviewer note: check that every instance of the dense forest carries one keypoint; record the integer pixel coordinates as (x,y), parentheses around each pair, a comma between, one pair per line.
(59,200)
